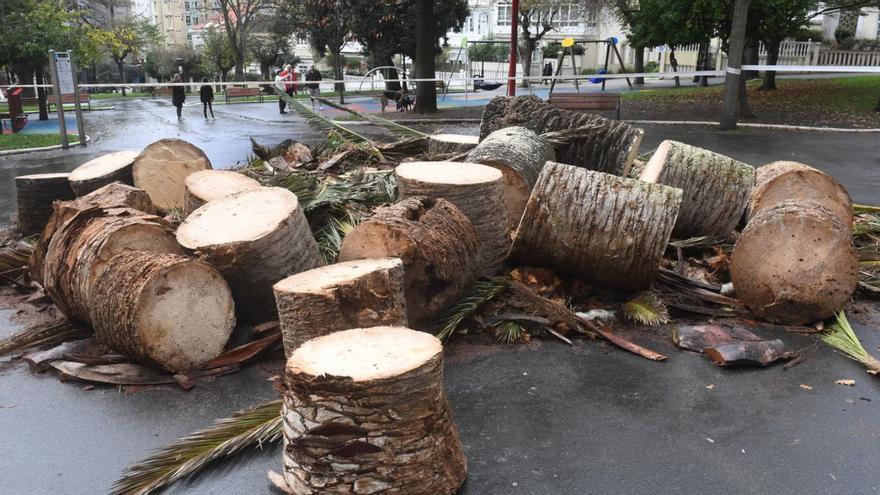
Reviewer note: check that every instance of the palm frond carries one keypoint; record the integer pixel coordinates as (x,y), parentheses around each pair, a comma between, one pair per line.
(509,332)
(43,336)
(563,137)
(697,242)
(865,209)
(15,255)
(484,290)
(317,120)
(866,224)
(398,129)
(646,309)
(840,335)
(330,236)
(253,428)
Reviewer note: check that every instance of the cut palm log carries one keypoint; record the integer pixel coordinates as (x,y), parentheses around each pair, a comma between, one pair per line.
(115,196)
(519,154)
(208,185)
(113,167)
(795,263)
(716,188)
(162,168)
(602,228)
(166,310)
(342,296)
(35,195)
(610,148)
(474,189)
(783,181)
(436,242)
(454,144)
(365,411)
(255,238)
(83,247)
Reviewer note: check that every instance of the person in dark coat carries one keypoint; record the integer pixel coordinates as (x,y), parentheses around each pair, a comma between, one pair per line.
(313,78)
(178,95)
(206,94)
(548,71)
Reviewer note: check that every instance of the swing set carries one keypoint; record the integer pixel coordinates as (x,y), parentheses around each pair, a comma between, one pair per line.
(568,49)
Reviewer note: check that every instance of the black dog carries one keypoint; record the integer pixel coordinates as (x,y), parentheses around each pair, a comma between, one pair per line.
(406,103)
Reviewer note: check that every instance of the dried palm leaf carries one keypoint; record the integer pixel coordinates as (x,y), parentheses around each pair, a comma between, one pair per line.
(840,335)
(865,209)
(15,255)
(646,309)
(484,290)
(319,121)
(47,335)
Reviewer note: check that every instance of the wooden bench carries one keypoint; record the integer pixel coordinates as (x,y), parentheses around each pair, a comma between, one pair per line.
(163,91)
(243,92)
(68,99)
(587,101)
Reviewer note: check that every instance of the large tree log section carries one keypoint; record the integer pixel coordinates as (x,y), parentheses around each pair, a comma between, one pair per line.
(365,411)
(436,242)
(716,188)
(611,148)
(794,263)
(84,246)
(162,168)
(342,296)
(208,185)
(605,229)
(103,170)
(445,144)
(474,189)
(783,181)
(35,195)
(163,309)
(519,154)
(255,238)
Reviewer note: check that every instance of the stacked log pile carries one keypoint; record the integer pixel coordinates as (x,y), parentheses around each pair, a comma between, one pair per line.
(35,195)
(94,174)
(163,166)
(208,185)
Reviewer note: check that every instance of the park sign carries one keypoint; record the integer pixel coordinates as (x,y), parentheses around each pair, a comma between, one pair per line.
(63,72)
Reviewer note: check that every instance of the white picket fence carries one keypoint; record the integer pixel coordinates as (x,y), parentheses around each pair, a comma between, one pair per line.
(845,57)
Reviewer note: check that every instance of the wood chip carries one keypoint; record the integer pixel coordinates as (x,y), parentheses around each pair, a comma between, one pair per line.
(806,387)
(848,383)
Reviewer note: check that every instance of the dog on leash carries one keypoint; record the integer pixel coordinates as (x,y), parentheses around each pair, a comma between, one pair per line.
(406,103)
(403,101)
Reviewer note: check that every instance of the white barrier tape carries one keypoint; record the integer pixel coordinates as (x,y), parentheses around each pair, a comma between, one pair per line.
(733,70)
(813,68)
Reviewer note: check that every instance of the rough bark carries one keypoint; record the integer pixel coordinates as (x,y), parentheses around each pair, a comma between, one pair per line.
(35,195)
(97,173)
(769,82)
(255,238)
(611,148)
(607,230)
(375,422)
(436,242)
(794,263)
(638,64)
(443,144)
(112,197)
(474,189)
(782,181)
(162,168)
(165,310)
(734,82)
(716,187)
(519,154)
(426,96)
(342,296)
(208,185)
(84,245)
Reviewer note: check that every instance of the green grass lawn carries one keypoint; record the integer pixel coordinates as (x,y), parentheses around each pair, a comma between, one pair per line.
(20,141)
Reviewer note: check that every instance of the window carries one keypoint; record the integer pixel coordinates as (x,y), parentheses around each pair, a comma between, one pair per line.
(504,15)
(469,24)
(188,20)
(186,5)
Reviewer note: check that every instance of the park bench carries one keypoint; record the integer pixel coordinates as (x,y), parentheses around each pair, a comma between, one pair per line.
(163,91)
(587,101)
(68,99)
(243,92)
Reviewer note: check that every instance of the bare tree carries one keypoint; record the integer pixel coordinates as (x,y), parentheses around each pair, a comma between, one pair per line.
(239,17)
(536,19)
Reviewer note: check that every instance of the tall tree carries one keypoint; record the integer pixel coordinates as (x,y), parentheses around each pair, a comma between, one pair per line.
(426,96)
(217,52)
(734,82)
(239,17)
(129,35)
(537,18)
(327,24)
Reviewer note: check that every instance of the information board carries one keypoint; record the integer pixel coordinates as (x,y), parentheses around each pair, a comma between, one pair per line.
(65,73)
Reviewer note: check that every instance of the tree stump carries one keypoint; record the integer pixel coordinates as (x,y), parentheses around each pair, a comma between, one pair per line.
(255,238)
(795,263)
(94,174)
(351,294)
(209,185)
(83,247)
(519,154)
(605,229)
(162,168)
(474,189)
(34,197)
(716,188)
(115,196)
(451,144)
(611,148)
(436,242)
(365,411)
(783,181)
(164,310)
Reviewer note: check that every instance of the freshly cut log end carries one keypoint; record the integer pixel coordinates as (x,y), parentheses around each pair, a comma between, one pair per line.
(605,229)
(162,168)
(365,411)
(451,144)
(103,170)
(208,185)
(716,187)
(783,181)
(474,189)
(519,154)
(255,238)
(35,195)
(351,294)
(436,243)
(166,310)
(795,263)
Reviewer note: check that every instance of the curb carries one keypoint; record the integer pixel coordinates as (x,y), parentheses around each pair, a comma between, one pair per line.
(44,148)
(759,126)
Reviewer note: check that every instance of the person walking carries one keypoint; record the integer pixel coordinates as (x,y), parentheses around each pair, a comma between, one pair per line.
(178,95)
(279,83)
(206,94)
(547,72)
(313,81)
(289,75)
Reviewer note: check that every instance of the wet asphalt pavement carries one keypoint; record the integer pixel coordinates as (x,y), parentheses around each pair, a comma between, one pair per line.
(542,418)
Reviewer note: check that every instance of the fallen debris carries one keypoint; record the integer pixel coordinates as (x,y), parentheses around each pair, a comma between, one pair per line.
(162,168)
(848,383)
(208,185)
(841,336)
(785,181)
(730,345)
(94,174)
(35,195)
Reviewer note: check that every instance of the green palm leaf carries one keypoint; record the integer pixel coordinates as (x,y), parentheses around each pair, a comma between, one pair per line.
(319,121)
(646,309)
(483,291)
(840,335)
(398,129)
